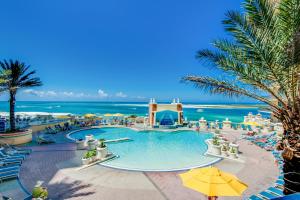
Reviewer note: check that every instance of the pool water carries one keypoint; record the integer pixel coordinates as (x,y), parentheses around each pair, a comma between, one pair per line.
(153,150)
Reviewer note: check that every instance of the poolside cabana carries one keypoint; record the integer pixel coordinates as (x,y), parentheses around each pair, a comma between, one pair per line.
(165,114)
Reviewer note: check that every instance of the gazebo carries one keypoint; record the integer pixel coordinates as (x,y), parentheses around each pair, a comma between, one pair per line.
(165,114)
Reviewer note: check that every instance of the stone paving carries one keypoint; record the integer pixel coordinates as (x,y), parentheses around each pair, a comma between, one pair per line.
(57,165)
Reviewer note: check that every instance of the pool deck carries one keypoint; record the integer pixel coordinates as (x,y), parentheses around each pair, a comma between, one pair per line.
(57,166)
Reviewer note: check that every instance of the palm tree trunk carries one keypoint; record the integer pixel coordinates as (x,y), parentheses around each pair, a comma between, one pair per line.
(291,156)
(291,170)
(12,102)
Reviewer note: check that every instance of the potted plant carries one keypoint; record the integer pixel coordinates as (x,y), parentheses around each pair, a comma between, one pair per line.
(216,147)
(86,158)
(232,153)
(101,149)
(235,146)
(39,192)
(224,151)
(91,144)
(80,144)
(89,157)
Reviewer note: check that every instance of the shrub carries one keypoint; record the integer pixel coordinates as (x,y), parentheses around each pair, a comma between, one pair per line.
(90,154)
(101,143)
(40,192)
(215,141)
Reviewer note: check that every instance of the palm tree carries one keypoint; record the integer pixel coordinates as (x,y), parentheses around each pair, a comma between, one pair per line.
(262,61)
(17,76)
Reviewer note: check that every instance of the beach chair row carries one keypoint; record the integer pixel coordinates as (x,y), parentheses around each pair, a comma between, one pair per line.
(277,190)
(11,159)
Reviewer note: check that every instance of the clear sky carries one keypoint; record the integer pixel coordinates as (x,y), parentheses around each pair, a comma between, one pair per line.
(122,50)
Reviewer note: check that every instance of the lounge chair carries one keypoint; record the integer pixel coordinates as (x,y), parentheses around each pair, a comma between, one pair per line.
(14,156)
(8,169)
(16,149)
(11,165)
(254,197)
(9,175)
(43,139)
(7,162)
(275,191)
(267,195)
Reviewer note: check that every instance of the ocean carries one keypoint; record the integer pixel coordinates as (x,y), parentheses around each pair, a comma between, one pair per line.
(192,111)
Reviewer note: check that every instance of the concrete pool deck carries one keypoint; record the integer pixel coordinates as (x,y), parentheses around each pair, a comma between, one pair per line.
(57,165)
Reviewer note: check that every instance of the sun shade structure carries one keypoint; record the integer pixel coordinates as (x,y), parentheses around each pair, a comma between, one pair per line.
(89,115)
(213,182)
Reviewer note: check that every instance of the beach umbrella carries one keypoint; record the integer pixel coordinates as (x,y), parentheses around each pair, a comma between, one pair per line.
(213,182)
(89,115)
(252,123)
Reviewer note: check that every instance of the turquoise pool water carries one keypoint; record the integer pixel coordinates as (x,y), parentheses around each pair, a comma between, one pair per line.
(153,150)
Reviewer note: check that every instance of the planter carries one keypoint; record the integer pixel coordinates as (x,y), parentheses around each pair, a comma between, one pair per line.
(216,149)
(92,144)
(233,155)
(102,152)
(94,158)
(235,147)
(17,137)
(85,161)
(88,138)
(80,144)
(224,153)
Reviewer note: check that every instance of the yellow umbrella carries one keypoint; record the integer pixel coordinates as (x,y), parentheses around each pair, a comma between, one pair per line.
(118,115)
(213,182)
(89,115)
(252,123)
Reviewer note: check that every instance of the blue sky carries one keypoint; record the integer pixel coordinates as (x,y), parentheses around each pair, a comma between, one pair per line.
(112,50)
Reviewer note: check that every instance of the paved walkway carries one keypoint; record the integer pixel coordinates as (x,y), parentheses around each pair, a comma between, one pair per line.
(57,165)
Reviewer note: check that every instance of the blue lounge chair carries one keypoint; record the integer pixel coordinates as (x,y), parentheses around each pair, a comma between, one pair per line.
(9,169)
(43,139)
(254,197)
(9,158)
(16,156)
(267,195)
(279,183)
(275,191)
(8,175)
(17,149)
(10,165)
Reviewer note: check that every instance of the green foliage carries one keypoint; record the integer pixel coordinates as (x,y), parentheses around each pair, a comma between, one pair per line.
(261,59)
(101,143)
(90,154)
(232,150)
(215,141)
(224,148)
(39,192)
(16,75)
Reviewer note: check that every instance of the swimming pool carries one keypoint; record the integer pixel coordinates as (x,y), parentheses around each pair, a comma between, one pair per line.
(153,150)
